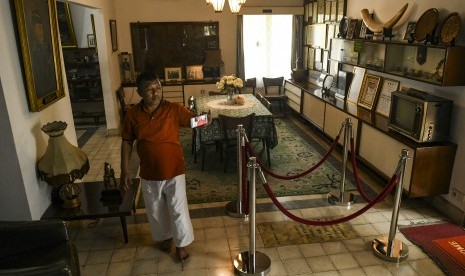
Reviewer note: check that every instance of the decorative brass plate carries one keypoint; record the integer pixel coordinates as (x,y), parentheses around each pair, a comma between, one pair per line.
(450,27)
(426,24)
(343,27)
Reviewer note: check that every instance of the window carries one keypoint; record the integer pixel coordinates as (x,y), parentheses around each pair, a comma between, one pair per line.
(267,46)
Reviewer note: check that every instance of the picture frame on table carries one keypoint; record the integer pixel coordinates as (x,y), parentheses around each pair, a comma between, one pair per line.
(114,36)
(356,84)
(194,72)
(91,41)
(40,52)
(383,107)
(65,25)
(369,91)
(173,74)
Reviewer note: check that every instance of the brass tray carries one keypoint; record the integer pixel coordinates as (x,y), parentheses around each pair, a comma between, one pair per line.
(426,24)
(450,27)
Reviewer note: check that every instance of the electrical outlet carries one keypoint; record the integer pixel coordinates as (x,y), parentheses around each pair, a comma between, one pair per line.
(458,195)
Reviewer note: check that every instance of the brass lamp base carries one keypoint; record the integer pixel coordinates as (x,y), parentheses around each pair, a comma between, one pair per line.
(69,193)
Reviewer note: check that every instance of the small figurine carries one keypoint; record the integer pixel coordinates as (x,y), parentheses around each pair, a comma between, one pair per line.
(109,179)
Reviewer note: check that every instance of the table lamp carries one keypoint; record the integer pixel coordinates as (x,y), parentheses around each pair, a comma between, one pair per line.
(62,164)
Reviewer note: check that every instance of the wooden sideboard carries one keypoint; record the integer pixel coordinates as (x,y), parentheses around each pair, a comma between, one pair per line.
(429,168)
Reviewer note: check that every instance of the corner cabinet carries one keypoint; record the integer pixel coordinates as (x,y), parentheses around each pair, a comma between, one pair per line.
(429,167)
(434,64)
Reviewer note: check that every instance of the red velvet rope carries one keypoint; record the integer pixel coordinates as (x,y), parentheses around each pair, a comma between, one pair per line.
(357,179)
(290,177)
(381,196)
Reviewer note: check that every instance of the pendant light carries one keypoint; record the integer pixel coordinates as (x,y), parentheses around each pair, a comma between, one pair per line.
(209,2)
(234,6)
(218,5)
(241,2)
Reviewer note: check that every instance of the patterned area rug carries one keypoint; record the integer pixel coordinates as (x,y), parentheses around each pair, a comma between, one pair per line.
(293,233)
(295,152)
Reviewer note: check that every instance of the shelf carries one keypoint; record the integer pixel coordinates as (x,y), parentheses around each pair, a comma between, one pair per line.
(434,64)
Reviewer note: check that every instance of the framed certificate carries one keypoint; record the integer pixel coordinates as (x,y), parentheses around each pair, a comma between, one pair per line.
(384,102)
(369,91)
(356,84)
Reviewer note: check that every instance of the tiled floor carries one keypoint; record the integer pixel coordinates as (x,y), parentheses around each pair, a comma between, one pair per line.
(219,238)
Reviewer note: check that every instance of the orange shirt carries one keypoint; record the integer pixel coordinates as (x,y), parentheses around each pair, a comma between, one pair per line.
(157,136)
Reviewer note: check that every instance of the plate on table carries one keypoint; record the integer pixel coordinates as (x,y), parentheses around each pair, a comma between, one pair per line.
(426,24)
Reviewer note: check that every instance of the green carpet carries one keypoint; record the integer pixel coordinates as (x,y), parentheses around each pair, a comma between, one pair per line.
(295,153)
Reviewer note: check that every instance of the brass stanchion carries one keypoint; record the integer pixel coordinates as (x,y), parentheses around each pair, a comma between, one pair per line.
(252,262)
(234,208)
(340,196)
(389,248)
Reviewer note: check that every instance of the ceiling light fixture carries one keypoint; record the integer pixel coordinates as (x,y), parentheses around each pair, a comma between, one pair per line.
(209,2)
(241,2)
(234,6)
(217,5)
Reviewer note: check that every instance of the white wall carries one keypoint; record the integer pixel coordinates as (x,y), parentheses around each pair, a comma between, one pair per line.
(383,11)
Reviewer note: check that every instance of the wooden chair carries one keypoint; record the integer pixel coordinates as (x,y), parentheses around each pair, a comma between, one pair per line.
(249,85)
(230,123)
(122,104)
(278,96)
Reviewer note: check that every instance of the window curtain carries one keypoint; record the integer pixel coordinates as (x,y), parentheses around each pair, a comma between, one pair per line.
(267,46)
(240,72)
(297,41)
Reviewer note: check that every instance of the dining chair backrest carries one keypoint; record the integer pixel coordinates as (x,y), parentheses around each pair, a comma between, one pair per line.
(273,85)
(259,97)
(122,103)
(266,103)
(230,123)
(249,86)
(215,93)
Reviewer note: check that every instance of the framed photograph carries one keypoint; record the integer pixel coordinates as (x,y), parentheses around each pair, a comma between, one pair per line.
(327,16)
(383,106)
(194,72)
(65,25)
(314,13)
(173,74)
(351,29)
(321,11)
(341,4)
(410,29)
(114,37)
(333,15)
(363,30)
(40,49)
(91,40)
(369,91)
(356,84)
(330,33)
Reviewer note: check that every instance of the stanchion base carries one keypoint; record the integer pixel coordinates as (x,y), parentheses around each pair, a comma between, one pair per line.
(262,264)
(232,210)
(334,197)
(398,253)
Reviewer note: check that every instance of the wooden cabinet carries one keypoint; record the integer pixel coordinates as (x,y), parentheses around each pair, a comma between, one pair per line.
(433,64)
(294,95)
(197,90)
(429,168)
(173,93)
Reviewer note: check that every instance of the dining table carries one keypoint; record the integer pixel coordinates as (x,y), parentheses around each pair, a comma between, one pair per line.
(263,124)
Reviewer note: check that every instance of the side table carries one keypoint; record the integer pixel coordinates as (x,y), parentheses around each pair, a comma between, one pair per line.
(93,207)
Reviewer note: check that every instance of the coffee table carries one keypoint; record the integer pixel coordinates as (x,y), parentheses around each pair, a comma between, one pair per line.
(93,207)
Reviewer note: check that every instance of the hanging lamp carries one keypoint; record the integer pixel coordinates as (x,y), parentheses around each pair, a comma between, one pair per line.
(241,2)
(209,2)
(234,6)
(217,5)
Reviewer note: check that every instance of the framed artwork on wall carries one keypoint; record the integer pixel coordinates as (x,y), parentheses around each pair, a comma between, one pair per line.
(65,25)
(383,106)
(91,40)
(38,37)
(369,91)
(173,74)
(114,36)
(356,84)
(194,72)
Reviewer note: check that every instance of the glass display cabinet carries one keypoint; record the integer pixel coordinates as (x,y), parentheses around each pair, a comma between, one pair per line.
(342,50)
(372,56)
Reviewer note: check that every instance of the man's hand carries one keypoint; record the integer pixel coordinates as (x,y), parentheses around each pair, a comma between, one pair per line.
(124,182)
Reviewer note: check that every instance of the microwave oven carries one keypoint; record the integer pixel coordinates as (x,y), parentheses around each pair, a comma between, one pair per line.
(420,116)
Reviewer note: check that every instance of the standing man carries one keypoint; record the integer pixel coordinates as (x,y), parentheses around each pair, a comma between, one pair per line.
(154,123)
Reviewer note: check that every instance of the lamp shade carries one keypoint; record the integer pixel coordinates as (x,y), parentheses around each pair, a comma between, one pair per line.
(218,5)
(213,58)
(62,162)
(234,5)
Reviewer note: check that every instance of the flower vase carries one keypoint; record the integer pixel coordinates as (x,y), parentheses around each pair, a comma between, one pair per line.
(230,98)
